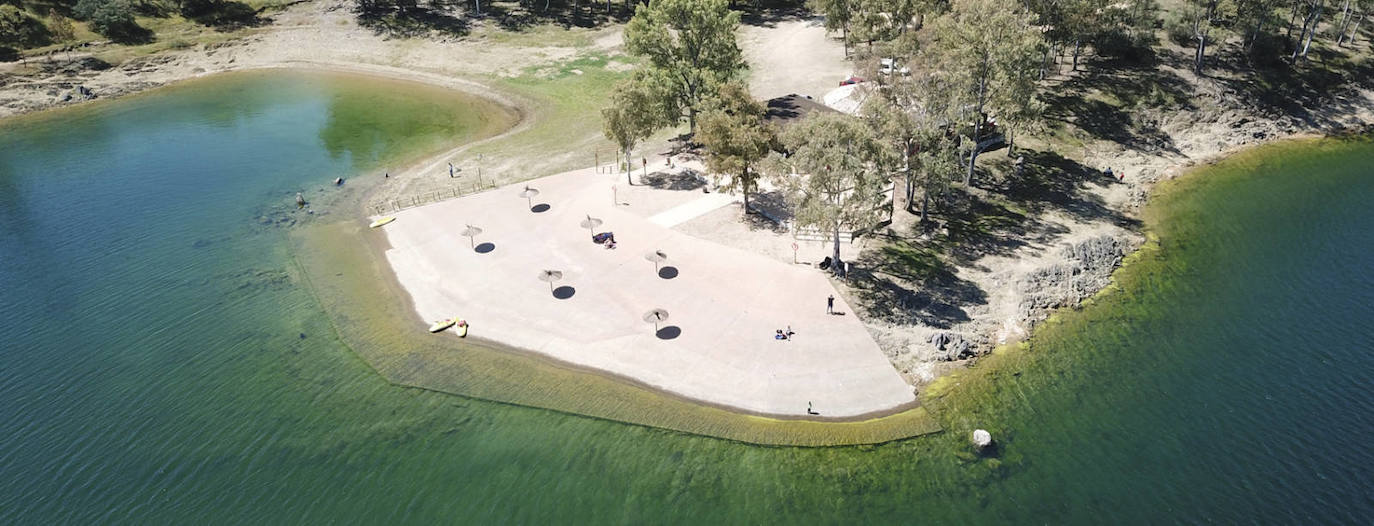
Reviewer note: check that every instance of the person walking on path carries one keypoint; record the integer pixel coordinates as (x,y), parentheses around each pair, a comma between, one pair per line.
(830,304)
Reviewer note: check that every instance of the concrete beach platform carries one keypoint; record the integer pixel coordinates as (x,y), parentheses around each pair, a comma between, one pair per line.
(724,304)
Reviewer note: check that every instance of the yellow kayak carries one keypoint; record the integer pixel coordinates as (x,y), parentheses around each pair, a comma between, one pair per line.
(382,221)
(462,329)
(442,324)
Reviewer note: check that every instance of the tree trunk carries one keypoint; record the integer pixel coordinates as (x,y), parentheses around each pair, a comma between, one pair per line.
(1292,21)
(1308,26)
(1313,32)
(691,121)
(910,181)
(977,131)
(1011,142)
(1077,47)
(837,266)
(1355,32)
(1201,52)
(744,184)
(478,3)
(925,205)
(628,170)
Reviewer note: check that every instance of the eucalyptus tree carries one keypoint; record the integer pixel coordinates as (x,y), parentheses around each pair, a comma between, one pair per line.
(835,174)
(990,54)
(837,14)
(736,137)
(638,108)
(914,114)
(1312,14)
(690,49)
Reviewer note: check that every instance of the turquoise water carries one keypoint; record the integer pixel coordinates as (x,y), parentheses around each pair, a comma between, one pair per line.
(163,364)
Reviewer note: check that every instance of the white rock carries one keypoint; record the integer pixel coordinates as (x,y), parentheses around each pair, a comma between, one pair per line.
(982,438)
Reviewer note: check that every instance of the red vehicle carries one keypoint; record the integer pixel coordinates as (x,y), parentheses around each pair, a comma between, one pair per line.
(851,80)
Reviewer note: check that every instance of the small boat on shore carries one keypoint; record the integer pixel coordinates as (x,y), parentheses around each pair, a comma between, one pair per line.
(443,324)
(462,328)
(382,221)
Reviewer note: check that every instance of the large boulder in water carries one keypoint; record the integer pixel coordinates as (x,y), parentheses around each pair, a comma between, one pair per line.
(982,438)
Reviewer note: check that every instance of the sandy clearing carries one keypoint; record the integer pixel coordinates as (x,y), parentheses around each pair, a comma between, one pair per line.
(792,56)
(724,304)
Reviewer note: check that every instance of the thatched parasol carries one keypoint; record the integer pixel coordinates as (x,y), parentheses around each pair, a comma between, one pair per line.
(590,222)
(529,193)
(656,317)
(550,276)
(471,232)
(656,257)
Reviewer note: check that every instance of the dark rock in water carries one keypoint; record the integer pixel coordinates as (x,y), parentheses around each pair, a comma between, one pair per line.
(202,243)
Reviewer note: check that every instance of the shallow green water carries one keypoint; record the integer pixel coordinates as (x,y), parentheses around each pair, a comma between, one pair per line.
(154,371)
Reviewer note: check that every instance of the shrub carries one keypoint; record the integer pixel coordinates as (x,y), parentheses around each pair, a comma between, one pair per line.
(19,30)
(1179,29)
(60,27)
(114,19)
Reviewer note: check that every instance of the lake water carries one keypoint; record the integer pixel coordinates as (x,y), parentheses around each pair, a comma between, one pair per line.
(161,362)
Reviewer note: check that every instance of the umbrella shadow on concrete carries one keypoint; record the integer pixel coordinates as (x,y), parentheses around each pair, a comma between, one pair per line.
(669,332)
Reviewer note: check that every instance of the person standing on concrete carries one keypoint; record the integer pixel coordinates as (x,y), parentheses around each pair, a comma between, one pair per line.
(830,304)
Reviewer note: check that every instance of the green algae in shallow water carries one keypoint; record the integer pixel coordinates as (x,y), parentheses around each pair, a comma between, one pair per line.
(355,287)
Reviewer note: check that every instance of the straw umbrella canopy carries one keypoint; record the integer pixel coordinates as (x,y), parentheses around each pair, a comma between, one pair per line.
(471,232)
(529,193)
(656,257)
(590,222)
(550,276)
(656,317)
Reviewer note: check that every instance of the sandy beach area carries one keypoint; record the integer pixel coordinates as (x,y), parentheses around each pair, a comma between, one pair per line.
(724,305)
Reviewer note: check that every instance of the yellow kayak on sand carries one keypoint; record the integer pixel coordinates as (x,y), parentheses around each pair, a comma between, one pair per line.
(442,324)
(382,221)
(462,329)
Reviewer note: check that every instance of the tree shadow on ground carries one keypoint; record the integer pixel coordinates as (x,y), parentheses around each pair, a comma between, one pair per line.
(1103,100)
(229,16)
(685,180)
(909,282)
(414,20)
(768,211)
(1050,180)
(768,13)
(1325,81)
(978,226)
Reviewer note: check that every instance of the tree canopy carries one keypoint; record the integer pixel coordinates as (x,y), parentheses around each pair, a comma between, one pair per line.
(990,54)
(736,137)
(835,174)
(690,48)
(637,109)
